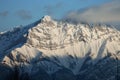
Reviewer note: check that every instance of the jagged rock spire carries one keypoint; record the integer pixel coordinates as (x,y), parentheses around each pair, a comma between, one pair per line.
(46,18)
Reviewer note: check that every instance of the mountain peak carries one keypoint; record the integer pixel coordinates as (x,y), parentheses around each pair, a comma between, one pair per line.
(46,18)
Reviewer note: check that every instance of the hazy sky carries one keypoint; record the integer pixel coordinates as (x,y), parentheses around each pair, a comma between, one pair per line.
(23,12)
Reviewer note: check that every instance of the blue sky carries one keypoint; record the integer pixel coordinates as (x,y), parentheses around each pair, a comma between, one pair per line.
(23,12)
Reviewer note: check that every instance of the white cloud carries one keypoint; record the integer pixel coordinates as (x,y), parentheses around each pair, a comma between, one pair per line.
(105,13)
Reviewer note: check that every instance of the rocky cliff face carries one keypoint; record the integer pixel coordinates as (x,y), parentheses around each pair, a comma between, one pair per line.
(51,50)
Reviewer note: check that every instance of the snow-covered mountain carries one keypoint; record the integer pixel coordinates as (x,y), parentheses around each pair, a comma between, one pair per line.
(56,50)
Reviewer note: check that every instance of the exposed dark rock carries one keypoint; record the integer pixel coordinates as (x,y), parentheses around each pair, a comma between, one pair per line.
(6,73)
(39,74)
(63,74)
